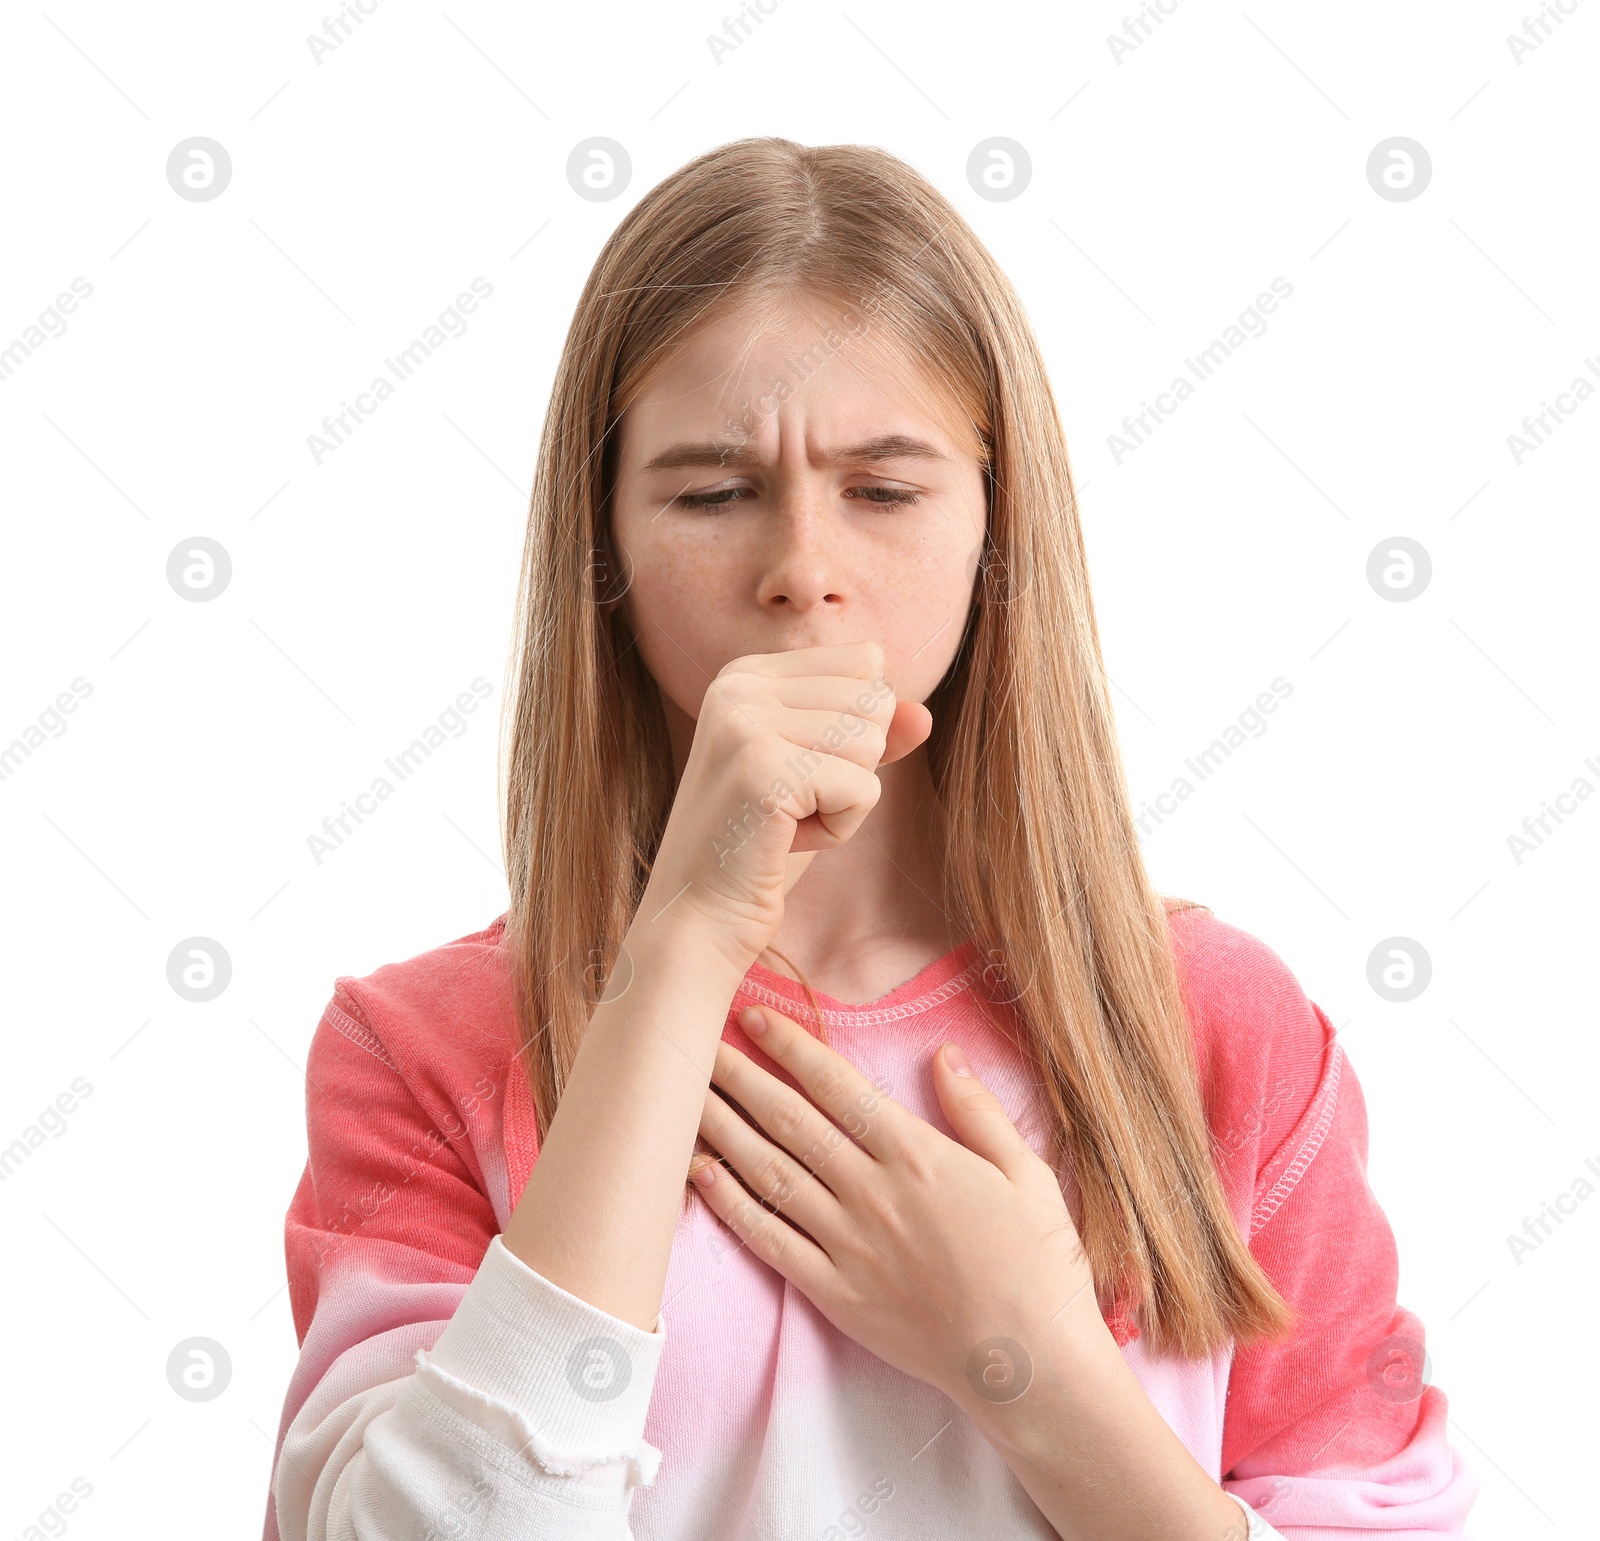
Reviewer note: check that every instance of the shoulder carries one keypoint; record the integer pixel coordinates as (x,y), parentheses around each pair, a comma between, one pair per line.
(443,1016)
(404,1124)
(1267,1056)
(1233,979)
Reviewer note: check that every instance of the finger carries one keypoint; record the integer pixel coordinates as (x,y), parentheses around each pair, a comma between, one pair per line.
(906,723)
(975,1113)
(836,693)
(876,1124)
(796,1130)
(855,738)
(772,1175)
(912,724)
(769,1236)
(831,802)
(861,660)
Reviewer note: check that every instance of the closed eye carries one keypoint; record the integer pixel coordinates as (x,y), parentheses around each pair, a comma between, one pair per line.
(883,497)
(893,496)
(718,499)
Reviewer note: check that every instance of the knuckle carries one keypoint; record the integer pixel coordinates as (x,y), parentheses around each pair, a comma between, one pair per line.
(864,729)
(871,788)
(919,1166)
(763,1233)
(788,1118)
(772,1181)
(831,1086)
(732,691)
(887,1215)
(749,1219)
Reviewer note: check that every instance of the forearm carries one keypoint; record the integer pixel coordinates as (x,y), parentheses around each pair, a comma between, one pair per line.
(599,1211)
(1093,1452)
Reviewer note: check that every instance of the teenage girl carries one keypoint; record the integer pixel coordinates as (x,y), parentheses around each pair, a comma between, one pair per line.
(1038,1206)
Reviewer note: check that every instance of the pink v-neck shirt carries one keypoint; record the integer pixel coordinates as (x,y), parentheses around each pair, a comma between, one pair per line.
(446,1391)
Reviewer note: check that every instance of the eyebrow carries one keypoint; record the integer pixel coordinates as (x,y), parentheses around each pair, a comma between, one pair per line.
(740,452)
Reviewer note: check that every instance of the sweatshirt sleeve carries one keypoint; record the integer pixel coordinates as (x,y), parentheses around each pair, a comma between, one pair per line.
(1335,1431)
(444,1388)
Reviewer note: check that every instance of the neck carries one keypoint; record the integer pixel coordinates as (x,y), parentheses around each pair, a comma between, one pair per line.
(881,889)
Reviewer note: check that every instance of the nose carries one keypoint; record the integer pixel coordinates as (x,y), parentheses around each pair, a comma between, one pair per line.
(804,572)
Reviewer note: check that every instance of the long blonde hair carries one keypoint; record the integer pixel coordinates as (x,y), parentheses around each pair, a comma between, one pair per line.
(1041,864)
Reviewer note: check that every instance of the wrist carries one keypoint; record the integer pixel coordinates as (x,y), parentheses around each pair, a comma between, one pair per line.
(1063,1368)
(1093,1452)
(678,942)
(681,925)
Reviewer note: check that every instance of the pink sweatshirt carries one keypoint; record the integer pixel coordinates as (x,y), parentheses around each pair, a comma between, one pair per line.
(447,1390)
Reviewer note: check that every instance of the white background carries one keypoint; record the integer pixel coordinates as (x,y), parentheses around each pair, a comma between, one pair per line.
(1168,190)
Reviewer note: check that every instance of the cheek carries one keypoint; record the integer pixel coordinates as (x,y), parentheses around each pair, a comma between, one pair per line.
(679,606)
(920,599)
(921,603)
(670,582)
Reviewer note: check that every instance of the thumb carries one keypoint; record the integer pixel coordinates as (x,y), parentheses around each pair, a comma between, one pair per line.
(974,1111)
(908,729)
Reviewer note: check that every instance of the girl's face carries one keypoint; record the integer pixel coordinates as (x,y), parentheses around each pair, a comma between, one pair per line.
(845,505)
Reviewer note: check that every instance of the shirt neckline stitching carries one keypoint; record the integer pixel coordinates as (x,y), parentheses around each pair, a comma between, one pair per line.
(866,1016)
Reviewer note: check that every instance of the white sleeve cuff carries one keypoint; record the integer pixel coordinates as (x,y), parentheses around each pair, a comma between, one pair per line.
(1260,1530)
(556,1378)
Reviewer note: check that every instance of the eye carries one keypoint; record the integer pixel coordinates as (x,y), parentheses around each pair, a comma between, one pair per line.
(718,499)
(901,497)
(723,497)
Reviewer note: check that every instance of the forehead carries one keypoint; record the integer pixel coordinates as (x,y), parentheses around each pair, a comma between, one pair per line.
(839,371)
